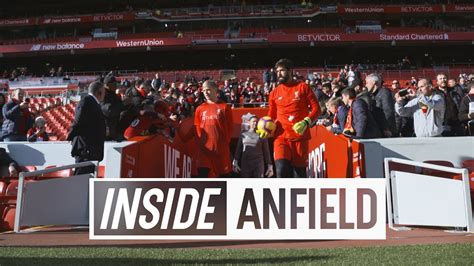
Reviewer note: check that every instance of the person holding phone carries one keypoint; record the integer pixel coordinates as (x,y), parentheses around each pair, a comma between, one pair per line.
(427,110)
(38,132)
(17,120)
(466,110)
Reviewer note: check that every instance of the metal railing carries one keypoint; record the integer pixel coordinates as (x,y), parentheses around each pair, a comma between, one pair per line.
(98,73)
(465,179)
(23,175)
(240,9)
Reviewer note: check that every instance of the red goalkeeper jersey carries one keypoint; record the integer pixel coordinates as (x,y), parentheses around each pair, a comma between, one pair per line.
(289,104)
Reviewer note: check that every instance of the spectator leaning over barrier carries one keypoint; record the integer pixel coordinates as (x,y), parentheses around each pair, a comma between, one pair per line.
(16,117)
(384,110)
(427,110)
(466,110)
(360,123)
(38,132)
(339,110)
(148,122)
(252,154)
(324,93)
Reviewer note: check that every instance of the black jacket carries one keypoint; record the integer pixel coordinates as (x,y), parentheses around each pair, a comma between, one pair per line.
(384,109)
(463,114)
(452,99)
(405,126)
(363,122)
(111,108)
(88,130)
(12,115)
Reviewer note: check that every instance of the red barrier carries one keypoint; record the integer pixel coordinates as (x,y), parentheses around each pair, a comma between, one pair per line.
(157,157)
(328,154)
(356,159)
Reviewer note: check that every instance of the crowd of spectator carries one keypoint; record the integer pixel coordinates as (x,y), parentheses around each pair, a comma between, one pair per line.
(19,73)
(357,107)
(371,110)
(352,105)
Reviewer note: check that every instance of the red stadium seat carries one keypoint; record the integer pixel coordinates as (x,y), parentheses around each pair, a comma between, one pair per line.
(56,174)
(471,185)
(469,164)
(29,168)
(8,218)
(3,187)
(101,173)
(12,189)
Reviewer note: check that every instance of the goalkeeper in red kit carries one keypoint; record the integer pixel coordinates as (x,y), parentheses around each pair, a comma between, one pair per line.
(213,122)
(293,107)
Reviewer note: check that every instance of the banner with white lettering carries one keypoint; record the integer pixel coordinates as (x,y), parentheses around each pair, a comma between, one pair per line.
(98,44)
(237,209)
(370,37)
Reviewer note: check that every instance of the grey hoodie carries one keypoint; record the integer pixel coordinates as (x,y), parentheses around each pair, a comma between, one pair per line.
(429,124)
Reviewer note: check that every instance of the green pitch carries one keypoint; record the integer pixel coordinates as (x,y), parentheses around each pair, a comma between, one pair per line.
(459,254)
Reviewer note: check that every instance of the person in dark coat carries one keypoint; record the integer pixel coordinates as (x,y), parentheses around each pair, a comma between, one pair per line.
(156,82)
(404,125)
(3,101)
(17,120)
(324,93)
(466,114)
(360,123)
(88,131)
(452,98)
(112,106)
(138,92)
(384,109)
(339,111)
(127,115)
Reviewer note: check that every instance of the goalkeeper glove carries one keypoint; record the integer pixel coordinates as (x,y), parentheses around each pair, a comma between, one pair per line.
(301,126)
(262,133)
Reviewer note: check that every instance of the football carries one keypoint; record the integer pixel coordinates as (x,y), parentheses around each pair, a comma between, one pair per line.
(267,124)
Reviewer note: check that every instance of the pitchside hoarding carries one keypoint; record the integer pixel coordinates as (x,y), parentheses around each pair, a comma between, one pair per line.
(232,209)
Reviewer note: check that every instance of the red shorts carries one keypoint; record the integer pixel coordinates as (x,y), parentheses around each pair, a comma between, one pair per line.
(218,164)
(294,151)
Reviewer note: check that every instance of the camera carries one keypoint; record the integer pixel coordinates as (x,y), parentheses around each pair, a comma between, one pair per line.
(403,92)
